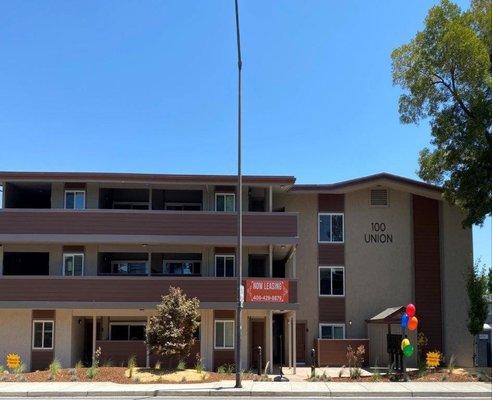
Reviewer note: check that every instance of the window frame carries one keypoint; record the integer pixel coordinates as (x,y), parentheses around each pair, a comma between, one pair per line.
(333,325)
(225,269)
(320,214)
(331,268)
(43,321)
(225,194)
(74,191)
(128,324)
(66,255)
(225,321)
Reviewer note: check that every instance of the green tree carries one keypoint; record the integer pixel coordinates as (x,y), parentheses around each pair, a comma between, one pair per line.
(476,286)
(445,71)
(490,281)
(171,331)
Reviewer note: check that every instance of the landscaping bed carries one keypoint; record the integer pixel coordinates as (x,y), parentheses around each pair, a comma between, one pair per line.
(122,375)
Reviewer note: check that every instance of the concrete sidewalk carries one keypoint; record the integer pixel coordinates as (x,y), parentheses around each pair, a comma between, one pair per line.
(226,388)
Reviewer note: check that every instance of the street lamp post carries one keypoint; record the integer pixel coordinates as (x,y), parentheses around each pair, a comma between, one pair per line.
(239,206)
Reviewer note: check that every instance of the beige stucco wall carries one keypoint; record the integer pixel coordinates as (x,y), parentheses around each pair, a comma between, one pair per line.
(377,275)
(306,259)
(457,258)
(15,334)
(63,337)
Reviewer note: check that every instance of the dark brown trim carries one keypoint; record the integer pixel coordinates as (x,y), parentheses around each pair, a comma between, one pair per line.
(142,178)
(223,314)
(427,269)
(331,202)
(225,250)
(40,358)
(73,249)
(75,186)
(366,179)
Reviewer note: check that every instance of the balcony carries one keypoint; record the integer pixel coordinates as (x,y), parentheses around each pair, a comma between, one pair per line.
(122,292)
(138,226)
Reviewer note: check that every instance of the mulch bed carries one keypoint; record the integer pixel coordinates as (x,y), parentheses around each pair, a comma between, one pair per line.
(105,374)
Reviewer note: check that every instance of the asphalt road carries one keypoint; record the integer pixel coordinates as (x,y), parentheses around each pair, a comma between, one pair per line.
(228,398)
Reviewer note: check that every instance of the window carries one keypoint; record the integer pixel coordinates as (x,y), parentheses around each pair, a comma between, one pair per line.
(127,331)
(224,265)
(43,334)
(74,199)
(331,281)
(225,202)
(224,334)
(332,331)
(73,264)
(181,267)
(129,267)
(330,228)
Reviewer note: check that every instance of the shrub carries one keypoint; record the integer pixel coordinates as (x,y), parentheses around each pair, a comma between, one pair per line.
(2,368)
(199,367)
(107,363)
(157,365)
(355,359)
(221,369)
(181,365)
(376,376)
(20,369)
(79,364)
(54,368)
(131,364)
(171,331)
(92,372)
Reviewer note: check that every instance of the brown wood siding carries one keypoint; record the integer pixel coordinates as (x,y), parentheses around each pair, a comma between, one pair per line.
(225,250)
(73,249)
(118,352)
(75,186)
(145,223)
(331,309)
(331,202)
(121,289)
(224,314)
(333,353)
(427,268)
(223,357)
(332,254)
(41,359)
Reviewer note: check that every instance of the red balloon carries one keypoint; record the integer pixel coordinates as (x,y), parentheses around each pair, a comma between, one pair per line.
(412,323)
(410,310)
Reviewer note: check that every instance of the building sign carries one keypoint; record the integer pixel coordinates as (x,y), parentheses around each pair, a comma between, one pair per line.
(267,290)
(378,234)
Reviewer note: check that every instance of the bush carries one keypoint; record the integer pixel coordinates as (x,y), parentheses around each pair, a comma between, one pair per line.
(355,359)
(181,365)
(199,367)
(131,364)
(221,369)
(79,365)
(92,372)
(54,368)
(157,365)
(2,368)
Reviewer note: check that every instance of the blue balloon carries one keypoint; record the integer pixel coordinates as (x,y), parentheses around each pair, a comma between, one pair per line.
(404,320)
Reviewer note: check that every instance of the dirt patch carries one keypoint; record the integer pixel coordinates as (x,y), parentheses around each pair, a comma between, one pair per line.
(121,375)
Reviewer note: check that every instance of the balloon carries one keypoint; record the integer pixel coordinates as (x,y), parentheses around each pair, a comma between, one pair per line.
(404,343)
(404,320)
(412,323)
(410,310)
(408,351)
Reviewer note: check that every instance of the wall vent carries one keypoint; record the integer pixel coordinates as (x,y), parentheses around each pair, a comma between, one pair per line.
(379,197)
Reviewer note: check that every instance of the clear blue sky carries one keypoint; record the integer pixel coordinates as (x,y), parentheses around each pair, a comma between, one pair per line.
(150,86)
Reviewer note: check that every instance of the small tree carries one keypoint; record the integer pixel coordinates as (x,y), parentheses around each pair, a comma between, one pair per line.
(171,331)
(476,286)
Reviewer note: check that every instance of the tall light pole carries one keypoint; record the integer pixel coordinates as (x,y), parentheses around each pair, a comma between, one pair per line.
(239,210)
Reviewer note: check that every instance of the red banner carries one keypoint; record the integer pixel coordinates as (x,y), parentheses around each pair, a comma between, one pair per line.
(267,290)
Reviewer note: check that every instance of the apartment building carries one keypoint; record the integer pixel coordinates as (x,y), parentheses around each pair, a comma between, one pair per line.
(85,258)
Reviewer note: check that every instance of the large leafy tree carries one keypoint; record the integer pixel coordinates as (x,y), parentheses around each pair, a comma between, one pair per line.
(445,71)
(171,331)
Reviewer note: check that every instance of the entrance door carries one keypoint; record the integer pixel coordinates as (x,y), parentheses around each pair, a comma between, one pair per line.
(301,342)
(257,339)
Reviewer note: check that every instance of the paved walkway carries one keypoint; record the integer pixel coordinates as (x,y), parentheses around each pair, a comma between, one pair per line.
(226,388)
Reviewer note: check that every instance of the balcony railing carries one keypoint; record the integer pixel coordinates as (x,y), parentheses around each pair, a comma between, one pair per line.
(127,226)
(119,292)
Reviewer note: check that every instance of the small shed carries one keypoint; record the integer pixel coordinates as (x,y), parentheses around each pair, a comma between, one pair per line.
(387,321)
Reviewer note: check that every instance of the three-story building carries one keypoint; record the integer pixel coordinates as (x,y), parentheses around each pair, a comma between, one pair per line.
(85,258)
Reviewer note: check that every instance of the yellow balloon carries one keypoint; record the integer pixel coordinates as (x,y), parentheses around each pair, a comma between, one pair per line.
(404,343)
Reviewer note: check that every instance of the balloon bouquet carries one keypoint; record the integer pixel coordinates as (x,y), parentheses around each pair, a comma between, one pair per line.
(408,321)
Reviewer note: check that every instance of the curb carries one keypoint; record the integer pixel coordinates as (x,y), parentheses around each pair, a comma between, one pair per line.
(245,393)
